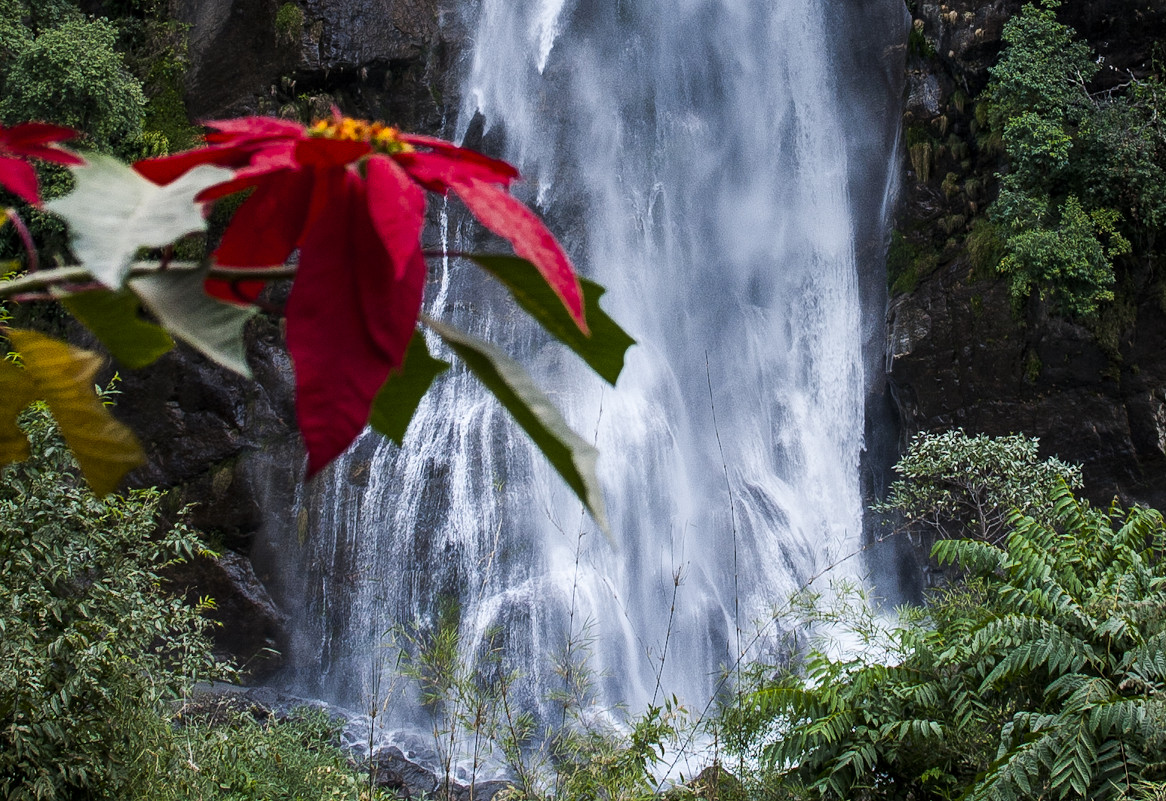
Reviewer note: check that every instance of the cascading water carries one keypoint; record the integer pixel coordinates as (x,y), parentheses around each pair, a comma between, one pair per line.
(723,167)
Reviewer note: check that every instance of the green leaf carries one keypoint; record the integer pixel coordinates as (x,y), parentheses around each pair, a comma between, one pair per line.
(395,403)
(114,212)
(214,328)
(62,376)
(573,457)
(114,318)
(603,351)
(16,392)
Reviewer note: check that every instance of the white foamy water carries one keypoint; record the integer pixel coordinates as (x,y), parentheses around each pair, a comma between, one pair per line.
(723,167)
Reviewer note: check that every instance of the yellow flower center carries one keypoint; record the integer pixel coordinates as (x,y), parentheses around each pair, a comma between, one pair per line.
(383,138)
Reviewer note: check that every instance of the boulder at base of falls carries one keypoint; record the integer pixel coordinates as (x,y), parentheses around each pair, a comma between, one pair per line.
(409,780)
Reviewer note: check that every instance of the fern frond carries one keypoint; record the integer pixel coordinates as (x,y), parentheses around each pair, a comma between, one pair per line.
(976,557)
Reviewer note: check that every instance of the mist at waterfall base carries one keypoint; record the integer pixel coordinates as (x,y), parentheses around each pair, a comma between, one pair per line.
(724,168)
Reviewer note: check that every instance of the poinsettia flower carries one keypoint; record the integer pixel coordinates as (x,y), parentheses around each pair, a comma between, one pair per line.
(351,196)
(31,140)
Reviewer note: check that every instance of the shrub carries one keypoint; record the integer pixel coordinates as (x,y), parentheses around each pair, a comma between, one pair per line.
(239,753)
(72,75)
(90,644)
(1084,181)
(1044,677)
(289,23)
(958,485)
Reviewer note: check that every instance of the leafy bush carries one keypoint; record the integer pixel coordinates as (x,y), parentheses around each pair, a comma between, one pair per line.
(1085,176)
(94,655)
(224,752)
(91,646)
(289,23)
(1051,245)
(1043,677)
(957,485)
(72,75)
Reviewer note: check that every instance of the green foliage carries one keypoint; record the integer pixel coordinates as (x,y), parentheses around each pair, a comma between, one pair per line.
(956,485)
(72,74)
(917,42)
(473,711)
(94,655)
(907,262)
(226,752)
(155,50)
(1120,153)
(1043,678)
(1085,180)
(1065,255)
(90,646)
(289,23)
(984,247)
(1042,69)
(58,66)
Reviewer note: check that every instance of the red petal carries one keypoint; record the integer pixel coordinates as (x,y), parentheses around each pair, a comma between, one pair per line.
(502,172)
(438,171)
(319,152)
(268,226)
(396,206)
(340,363)
(501,213)
(164,169)
(46,153)
(274,157)
(236,184)
(35,133)
(250,159)
(251,128)
(19,178)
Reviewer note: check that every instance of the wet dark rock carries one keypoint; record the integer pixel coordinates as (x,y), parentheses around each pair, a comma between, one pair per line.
(235,54)
(343,34)
(393,771)
(227,449)
(251,624)
(959,357)
(407,779)
(378,58)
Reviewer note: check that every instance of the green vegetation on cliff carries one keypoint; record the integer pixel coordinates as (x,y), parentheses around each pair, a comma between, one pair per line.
(1084,182)
(116,79)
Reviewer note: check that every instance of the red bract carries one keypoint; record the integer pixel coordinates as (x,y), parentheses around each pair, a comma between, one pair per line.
(349,195)
(31,140)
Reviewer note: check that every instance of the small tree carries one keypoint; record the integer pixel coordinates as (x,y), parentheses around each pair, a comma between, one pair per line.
(958,485)
(1083,186)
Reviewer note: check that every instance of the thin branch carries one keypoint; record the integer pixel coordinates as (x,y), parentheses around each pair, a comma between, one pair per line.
(39,280)
(46,279)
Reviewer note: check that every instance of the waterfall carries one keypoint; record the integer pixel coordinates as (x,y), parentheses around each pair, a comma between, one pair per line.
(724,168)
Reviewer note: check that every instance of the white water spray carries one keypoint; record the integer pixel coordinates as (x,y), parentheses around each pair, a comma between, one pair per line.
(723,168)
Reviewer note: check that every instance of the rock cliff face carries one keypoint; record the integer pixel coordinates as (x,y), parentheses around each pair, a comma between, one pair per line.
(224,443)
(387,58)
(959,355)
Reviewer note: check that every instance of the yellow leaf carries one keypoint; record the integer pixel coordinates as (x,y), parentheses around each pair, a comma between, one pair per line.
(62,376)
(16,392)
